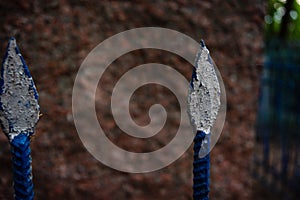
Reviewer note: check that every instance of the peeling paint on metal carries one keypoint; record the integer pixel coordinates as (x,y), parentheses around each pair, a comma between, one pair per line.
(204,93)
(19,109)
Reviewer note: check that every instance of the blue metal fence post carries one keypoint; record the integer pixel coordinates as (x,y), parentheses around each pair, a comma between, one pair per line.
(203,107)
(201,169)
(19,113)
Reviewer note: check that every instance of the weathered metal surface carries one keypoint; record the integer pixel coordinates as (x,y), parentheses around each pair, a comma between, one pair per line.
(204,94)
(19,109)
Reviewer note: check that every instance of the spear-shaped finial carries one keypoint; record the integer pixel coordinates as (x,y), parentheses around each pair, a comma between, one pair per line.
(203,108)
(19,113)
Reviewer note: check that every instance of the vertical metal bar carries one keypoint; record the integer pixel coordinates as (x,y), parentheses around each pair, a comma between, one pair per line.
(19,113)
(204,105)
(201,169)
(22,175)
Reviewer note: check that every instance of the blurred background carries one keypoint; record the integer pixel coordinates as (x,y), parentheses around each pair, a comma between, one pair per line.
(276,156)
(54,38)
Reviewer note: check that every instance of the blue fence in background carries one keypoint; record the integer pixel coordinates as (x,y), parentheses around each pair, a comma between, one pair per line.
(277,156)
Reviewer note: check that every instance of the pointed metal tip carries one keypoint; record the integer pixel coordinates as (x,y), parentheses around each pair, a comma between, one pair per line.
(202,43)
(19,109)
(12,38)
(203,100)
(12,41)
(11,46)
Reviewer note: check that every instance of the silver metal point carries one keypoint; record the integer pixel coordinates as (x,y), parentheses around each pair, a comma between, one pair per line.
(204,93)
(19,109)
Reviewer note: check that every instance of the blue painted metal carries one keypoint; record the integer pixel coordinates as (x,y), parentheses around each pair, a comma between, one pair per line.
(23,185)
(201,170)
(19,114)
(201,165)
(278,137)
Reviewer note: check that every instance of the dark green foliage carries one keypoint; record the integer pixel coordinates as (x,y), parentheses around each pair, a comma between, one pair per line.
(283,19)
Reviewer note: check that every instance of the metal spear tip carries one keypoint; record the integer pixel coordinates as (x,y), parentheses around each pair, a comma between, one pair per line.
(204,93)
(202,43)
(19,108)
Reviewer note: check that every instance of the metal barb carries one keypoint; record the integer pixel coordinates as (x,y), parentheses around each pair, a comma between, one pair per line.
(204,93)
(19,109)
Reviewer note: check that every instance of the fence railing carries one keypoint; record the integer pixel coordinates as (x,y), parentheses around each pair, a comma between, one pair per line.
(19,113)
(277,159)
